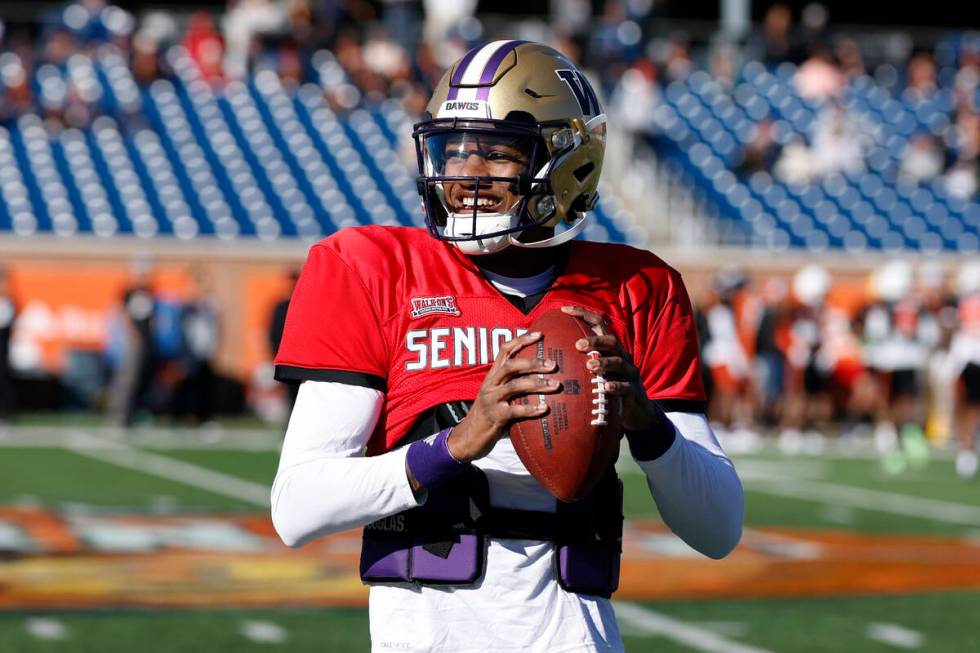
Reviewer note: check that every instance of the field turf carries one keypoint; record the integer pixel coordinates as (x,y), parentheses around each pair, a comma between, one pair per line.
(830,491)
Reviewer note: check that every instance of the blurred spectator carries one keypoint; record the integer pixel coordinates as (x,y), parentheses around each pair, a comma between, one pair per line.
(724,65)
(145,59)
(921,73)
(839,142)
(16,96)
(849,57)
(385,57)
(204,45)
(773,44)
(814,28)
(725,355)
(965,136)
(770,349)
(795,163)
(961,179)
(134,375)
(897,348)
(818,78)
(8,311)
(440,18)
(200,330)
(635,99)
(807,400)
(922,160)
(967,79)
(964,368)
(678,64)
(244,21)
(403,21)
(59,45)
(762,152)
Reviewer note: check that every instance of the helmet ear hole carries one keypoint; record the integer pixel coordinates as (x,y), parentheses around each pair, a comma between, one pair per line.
(583,171)
(584,203)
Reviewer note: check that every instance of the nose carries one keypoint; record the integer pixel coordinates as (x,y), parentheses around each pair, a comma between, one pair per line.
(474,166)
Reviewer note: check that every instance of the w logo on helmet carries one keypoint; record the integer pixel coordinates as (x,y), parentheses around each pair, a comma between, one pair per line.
(580,86)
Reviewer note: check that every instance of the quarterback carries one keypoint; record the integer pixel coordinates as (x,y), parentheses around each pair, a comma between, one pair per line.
(404,343)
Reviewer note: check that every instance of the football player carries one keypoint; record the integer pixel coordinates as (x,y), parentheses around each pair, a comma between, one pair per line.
(404,341)
(963,365)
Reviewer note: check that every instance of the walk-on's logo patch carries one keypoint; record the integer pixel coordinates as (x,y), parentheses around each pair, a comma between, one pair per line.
(422,306)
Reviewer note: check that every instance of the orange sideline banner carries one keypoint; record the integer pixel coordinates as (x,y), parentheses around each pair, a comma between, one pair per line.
(72,306)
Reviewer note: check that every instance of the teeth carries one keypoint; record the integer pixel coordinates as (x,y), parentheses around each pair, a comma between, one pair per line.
(481,202)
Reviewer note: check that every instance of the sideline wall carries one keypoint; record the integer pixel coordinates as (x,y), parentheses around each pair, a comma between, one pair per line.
(68,290)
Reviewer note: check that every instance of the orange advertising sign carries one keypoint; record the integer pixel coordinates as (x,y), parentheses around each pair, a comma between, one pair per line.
(66,306)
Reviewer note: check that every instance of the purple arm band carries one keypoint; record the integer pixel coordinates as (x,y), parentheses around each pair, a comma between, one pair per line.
(431,463)
(653,442)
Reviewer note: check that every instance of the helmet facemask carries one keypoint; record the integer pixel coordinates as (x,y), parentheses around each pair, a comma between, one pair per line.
(480,212)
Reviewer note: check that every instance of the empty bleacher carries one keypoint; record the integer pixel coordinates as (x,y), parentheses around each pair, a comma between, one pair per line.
(187,160)
(702,131)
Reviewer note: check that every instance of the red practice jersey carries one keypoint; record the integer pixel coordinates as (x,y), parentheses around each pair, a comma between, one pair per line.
(395,309)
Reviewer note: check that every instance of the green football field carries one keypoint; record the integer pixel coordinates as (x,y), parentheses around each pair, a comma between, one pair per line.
(70,468)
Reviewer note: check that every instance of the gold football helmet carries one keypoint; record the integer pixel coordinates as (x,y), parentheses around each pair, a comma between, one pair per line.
(512,140)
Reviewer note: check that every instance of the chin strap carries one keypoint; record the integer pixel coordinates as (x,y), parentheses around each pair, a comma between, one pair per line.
(557,239)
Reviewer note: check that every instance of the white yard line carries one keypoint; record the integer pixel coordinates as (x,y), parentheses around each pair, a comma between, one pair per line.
(121,455)
(35,437)
(265,632)
(895,635)
(857,497)
(791,481)
(697,638)
(758,476)
(45,628)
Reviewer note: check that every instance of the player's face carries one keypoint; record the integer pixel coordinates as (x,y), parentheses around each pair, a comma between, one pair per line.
(483,155)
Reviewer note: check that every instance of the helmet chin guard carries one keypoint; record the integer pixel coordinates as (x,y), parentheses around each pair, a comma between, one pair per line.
(471,241)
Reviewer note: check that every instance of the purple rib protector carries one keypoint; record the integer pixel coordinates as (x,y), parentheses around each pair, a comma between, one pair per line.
(461,566)
(588,566)
(384,559)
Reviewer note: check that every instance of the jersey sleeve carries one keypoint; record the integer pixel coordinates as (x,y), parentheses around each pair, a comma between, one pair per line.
(332,330)
(667,352)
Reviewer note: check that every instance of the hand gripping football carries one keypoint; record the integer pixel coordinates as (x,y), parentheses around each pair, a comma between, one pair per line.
(572,445)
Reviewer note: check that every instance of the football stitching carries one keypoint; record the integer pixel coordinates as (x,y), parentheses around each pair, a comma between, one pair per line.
(599,390)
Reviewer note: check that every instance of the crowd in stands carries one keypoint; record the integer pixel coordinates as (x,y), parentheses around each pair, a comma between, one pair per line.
(363,52)
(896,356)
(839,139)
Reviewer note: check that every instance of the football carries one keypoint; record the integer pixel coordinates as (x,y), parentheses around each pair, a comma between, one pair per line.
(572,445)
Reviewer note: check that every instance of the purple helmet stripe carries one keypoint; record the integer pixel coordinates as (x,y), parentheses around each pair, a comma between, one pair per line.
(490,70)
(460,70)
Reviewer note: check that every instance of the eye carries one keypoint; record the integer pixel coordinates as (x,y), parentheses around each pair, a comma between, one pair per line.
(456,155)
(496,156)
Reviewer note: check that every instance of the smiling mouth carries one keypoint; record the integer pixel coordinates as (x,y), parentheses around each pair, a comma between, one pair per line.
(482,204)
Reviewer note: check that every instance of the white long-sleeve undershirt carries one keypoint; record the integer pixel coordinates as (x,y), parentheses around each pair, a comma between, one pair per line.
(325,484)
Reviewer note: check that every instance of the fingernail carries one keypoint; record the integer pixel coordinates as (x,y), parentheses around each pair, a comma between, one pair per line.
(592,365)
(582,344)
(535,334)
(548,364)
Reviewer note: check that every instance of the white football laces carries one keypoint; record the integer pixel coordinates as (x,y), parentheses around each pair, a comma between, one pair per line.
(599,392)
